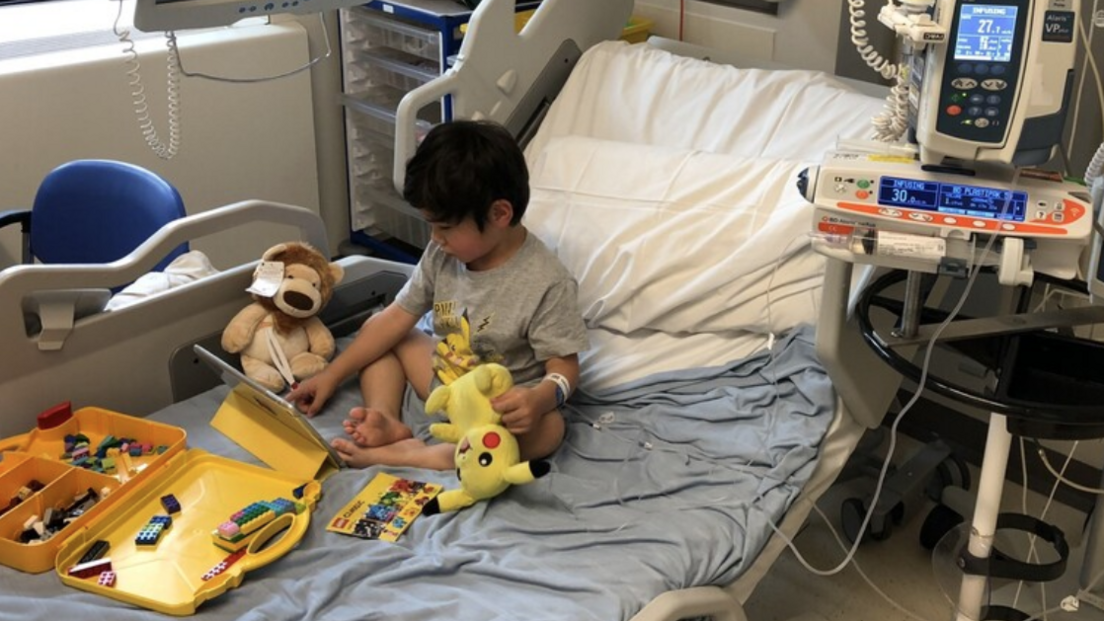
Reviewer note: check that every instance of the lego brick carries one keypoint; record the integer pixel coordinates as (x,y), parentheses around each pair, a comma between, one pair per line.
(95,551)
(171,504)
(57,415)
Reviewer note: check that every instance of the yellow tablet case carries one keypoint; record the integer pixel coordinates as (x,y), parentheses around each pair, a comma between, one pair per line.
(273,436)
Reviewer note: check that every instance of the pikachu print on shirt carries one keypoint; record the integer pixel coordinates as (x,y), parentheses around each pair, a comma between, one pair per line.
(455,354)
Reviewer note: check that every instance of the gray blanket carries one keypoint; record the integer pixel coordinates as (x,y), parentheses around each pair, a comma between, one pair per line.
(664,483)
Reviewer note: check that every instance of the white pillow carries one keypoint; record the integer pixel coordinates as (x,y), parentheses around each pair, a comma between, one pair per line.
(643,95)
(677,241)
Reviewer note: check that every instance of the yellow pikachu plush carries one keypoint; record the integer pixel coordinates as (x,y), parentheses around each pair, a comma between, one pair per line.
(487,456)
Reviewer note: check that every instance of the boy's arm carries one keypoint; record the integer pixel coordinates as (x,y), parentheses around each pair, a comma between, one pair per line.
(521,407)
(379,335)
(567,366)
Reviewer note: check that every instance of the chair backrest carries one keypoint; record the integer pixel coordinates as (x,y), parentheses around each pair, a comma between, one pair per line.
(97,211)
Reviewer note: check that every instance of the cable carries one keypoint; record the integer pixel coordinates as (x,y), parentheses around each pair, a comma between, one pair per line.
(870,56)
(891,124)
(197,74)
(141,108)
(1032,553)
(1096,165)
(1087,40)
(843,546)
(1060,476)
(925,366)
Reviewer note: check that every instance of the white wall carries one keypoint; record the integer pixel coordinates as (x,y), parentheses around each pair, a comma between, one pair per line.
(238,141)
(329,126)
(804,34)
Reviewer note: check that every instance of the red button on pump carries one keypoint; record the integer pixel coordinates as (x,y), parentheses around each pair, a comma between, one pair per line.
(954,110)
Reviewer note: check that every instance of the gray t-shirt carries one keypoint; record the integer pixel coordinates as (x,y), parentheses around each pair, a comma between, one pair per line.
(518,314)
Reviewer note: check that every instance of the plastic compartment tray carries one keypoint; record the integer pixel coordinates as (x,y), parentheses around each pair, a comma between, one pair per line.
(368,26)
(37,456)
(169,577)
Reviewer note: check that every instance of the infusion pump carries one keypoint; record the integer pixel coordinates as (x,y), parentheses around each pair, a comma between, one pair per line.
(888,210)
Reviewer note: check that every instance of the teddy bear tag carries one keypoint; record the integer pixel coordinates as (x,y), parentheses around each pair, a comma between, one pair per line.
(267,278)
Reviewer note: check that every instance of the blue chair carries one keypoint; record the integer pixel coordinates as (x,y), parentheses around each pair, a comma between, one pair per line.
(96,211)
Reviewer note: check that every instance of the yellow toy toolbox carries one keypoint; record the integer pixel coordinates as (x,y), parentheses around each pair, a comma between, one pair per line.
(38,479)
(189,562)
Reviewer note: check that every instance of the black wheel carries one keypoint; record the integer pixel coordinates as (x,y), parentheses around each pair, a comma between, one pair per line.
(898,513)
(940,521)
(880,532)
(950,472)
(852,513)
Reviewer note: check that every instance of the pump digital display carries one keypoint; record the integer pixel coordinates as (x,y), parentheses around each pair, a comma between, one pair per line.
(953,198)
(986,32)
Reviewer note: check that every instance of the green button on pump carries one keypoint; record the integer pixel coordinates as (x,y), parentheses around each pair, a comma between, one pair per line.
(863,183)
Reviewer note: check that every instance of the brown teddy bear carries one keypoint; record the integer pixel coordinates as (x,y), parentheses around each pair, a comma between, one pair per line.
(291,285)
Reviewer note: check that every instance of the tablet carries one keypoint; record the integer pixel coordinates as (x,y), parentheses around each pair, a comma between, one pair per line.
(282,410)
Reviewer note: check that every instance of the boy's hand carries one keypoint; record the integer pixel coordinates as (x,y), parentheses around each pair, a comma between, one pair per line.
(311,394)
(521,408)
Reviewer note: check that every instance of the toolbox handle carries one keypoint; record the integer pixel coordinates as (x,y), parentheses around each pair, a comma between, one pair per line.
(286,525)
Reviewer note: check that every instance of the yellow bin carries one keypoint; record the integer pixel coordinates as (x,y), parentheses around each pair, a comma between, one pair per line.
(637,30)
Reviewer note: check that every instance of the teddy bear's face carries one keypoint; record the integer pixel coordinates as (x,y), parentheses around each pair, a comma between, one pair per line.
(300,294)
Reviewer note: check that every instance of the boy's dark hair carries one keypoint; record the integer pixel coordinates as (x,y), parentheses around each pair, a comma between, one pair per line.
(462,167)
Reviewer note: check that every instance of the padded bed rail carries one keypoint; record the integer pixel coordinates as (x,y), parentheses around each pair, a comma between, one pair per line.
(120,359)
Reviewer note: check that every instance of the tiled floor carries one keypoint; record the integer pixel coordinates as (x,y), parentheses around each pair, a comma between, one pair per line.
(901,568)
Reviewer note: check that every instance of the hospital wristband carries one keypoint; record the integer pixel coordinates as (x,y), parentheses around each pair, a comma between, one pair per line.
(563,387)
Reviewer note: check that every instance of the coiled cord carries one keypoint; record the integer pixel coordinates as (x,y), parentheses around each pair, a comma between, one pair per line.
(890,125)
(138,93)
(1096,166)
(870,56)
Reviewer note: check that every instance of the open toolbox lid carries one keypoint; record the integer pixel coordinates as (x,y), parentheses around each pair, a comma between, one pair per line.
(185,567)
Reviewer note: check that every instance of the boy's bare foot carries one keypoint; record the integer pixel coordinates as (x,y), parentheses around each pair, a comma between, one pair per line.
(409,452)
(371,428)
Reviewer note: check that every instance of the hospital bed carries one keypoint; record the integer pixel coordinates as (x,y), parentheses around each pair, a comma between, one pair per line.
(710,408)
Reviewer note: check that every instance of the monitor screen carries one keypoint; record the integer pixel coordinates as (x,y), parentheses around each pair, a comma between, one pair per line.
(953,199)
(986,32)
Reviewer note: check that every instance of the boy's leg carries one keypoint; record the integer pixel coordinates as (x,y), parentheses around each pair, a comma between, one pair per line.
(378,422)
(544,438)
(382,384)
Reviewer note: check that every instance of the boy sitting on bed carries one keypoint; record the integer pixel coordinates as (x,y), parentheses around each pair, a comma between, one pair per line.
(497,295)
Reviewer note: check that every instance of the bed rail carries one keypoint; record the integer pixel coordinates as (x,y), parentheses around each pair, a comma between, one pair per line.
(118,359)
(508,76)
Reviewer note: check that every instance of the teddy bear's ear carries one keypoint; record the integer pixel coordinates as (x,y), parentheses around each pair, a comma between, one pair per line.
(337,272)
(274,251)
